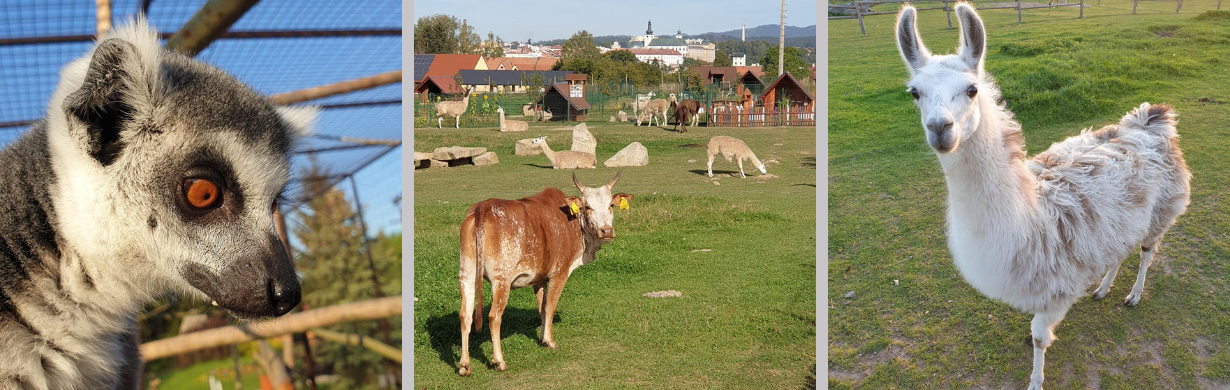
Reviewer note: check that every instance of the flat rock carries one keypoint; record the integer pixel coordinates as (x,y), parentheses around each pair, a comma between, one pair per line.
(691,161)
(438,164)
(486,159)
(634,155)
(456,152)
(582,140)
(663,294)
(526,147)
(764,177)
(420,156)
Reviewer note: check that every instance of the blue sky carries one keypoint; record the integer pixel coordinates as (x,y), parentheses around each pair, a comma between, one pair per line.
(558,19)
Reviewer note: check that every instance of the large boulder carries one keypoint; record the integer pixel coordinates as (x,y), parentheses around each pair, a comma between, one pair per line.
(456,152)
(420,156)
(634,155)
(527,147)
(622,116)
(438,164)
(486,159)
(582,140)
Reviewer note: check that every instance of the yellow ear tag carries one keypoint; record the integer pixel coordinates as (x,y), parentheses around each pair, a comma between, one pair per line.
(623,204)
(574,208)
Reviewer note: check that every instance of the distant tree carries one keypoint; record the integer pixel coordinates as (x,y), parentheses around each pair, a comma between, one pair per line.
(533,87)
(468,41)
(494,47)
(690,62)
(335,271)
(721,59)
(795,64)
(436,34)
(621,55)
(580,45)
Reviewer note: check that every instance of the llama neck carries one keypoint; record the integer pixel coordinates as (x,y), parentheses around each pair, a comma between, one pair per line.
(988,190)
(547,151)
(501,121)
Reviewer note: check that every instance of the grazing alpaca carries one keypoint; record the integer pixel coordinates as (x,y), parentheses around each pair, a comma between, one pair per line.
(732,149)
(453,109)
(685,111)
(566,159)
(509,124)
(1034,233)
(651,111)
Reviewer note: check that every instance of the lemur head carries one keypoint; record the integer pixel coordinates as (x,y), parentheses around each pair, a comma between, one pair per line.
(168,170)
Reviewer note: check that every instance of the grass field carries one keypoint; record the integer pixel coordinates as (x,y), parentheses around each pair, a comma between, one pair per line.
(914,323)
(747,316)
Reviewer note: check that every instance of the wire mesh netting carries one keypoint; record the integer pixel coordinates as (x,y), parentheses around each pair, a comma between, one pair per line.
(278,46)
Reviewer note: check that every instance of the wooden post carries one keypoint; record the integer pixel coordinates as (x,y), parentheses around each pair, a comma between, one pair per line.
(1018,11)
(1134,4)
(210,22)
(948,12)
(857,11)
(104,16)
(1218,4)
(1178,4)
(1082,5)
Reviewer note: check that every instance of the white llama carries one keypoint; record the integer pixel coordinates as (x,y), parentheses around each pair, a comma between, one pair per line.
(1035,233)
(452,108)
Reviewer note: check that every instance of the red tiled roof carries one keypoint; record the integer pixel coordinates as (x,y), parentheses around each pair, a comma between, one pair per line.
(787,81)
(447,65)
(445,84)
(756,70)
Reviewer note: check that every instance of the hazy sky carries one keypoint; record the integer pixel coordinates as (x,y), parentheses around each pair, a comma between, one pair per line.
(559,19)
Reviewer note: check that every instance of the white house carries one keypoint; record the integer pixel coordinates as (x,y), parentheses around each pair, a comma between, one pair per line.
(738,59)
(672,58)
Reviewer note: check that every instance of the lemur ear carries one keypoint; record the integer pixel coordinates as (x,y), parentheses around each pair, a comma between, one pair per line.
(301,119)
(101,104)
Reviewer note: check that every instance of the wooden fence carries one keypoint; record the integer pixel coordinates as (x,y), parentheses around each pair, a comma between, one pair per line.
(863,8)
(733,116)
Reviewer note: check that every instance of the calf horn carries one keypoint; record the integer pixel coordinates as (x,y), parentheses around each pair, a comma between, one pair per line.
(613,180)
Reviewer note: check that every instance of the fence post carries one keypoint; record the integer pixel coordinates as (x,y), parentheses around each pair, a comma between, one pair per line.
(1178,4)
(1134,4)
(859,11)
(1218,4)
(948,12)
(1018,11)
(1082,5)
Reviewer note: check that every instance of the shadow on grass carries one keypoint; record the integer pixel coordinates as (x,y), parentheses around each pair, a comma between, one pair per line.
(445,333)
(804,184)
(716,173)
(809,162)
(540,166)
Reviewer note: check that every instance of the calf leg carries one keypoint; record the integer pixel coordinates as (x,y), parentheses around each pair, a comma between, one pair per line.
(467,319)
(553,292)
(1104,287)
(1146,258)
(540,291)
(1042,333)
(499,299)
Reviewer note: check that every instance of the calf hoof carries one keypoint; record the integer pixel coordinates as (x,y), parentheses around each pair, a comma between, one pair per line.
(548,344)
(500,366)
(464,370)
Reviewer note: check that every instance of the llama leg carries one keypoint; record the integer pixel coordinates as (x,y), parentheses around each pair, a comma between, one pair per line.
(457,122)
(741,175)
(1146,258)
(711,156)
(1041,331)
(1104,288)
(439,122)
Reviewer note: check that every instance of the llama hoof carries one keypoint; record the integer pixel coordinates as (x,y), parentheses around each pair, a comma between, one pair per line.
(1100,293)
(549,344)
(1035,385)
(464,370)
(500,366)
(1132,299)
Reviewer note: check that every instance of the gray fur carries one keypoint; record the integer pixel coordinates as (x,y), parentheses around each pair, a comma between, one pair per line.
(94,222)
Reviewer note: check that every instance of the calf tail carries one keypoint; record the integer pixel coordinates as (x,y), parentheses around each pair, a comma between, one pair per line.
(479,267)
(1157,119)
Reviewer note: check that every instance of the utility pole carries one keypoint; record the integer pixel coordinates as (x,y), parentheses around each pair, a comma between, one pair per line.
(781,42)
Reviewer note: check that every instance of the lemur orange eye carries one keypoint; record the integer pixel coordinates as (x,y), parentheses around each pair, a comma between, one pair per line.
(201,193)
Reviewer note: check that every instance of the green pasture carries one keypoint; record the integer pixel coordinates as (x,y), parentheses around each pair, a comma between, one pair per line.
(913,322)
(747,316)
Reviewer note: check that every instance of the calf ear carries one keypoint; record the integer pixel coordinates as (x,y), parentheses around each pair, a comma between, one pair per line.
(621,200)
(573,205)
(102,103)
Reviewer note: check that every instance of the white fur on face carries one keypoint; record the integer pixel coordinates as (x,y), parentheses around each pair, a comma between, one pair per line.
(600,213)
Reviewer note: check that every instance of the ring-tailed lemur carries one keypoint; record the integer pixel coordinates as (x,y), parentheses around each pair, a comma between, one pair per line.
(151,174)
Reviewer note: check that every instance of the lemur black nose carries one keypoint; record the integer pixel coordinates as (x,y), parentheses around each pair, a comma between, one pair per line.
(283,296)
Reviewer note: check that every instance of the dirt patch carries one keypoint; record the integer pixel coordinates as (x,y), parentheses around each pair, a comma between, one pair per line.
(764,177)
(663,294)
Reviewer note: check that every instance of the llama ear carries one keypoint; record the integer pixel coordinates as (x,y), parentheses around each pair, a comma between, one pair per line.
(973,37)
(909,43)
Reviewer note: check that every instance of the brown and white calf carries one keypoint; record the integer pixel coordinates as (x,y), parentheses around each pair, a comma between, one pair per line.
(535,241)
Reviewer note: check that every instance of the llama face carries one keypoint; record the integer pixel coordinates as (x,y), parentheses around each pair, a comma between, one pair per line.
(945,87)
